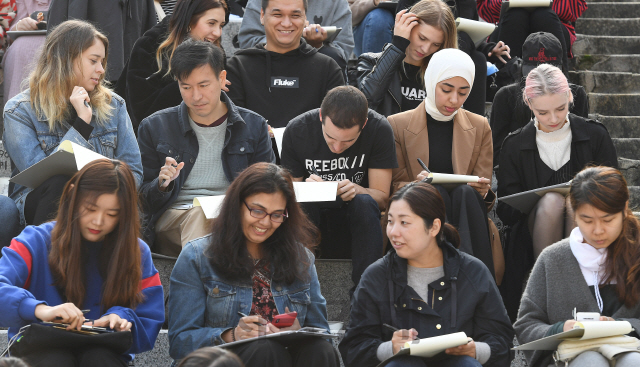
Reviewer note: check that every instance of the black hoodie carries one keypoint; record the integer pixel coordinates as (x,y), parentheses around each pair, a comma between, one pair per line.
(281,86)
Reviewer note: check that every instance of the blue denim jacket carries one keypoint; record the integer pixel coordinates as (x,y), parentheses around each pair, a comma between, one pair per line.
(28,139)
(203,304)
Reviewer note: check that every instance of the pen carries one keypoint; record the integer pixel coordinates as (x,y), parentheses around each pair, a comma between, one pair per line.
(424,166)
(165,180)
(313,171)
(243,315)
(86,104)
(392,328)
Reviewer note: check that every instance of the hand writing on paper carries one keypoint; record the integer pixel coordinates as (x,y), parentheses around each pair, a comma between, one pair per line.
(468,349)
(314,178)
(248,327)
(66,313)
(568,325)
(347,190)
(482,186)
(422,175)
(169,172)
(114,322)
(402,336)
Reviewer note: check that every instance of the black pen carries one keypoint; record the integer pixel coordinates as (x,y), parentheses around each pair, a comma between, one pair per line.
(313,171)
(165,180)
(243,315)
(86,104)
(392,328)
(424,166)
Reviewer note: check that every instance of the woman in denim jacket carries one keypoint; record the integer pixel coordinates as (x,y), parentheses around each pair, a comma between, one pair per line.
(66,100)
(256,261)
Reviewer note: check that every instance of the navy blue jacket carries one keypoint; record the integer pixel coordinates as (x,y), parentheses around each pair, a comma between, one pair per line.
(167,133)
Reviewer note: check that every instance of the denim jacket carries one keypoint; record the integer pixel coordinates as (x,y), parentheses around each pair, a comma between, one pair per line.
(203,304)
(167,133)
(28,139)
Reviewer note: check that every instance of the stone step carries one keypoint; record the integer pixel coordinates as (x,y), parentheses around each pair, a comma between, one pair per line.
(608,26)
(615,104)
(634,197)
(620,126)
(609,63)
(606,82)
(588,44)
(630,168)
(627,147)
(611,10)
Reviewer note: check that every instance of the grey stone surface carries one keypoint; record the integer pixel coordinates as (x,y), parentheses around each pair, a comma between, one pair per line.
(634,198)
(615,104)
(158,356)
(611,27)
(335,281)
(609,63)
(5,162)
(630,168)
(611,10)
(606,82)
(620,126)
(627,147)
(587,44)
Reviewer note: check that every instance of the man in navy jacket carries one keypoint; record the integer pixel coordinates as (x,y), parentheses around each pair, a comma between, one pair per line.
(195,149)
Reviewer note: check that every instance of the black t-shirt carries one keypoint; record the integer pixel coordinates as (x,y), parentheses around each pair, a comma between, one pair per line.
(303,146)
(440,145)
(413,92)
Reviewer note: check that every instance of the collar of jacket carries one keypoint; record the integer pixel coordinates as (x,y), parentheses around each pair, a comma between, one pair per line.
(233,117)
(578,132)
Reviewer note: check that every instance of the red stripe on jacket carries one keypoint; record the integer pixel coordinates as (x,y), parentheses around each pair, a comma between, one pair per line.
(151,281)
(24,253)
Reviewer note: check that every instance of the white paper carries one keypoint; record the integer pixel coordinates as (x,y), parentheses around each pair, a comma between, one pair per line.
(210,205)
(429,347)
(529,3)
(601,329)
(82,155)
(478,31)
(446,178)
(278,134)
(315,191)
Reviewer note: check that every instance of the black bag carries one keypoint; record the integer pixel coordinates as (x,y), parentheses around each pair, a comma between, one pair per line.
(36,337)
(509,74)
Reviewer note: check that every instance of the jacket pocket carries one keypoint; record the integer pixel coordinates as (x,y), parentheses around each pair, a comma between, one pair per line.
(238,155)
(165,150)
(220,301)
(48,142)
(108,143)
(300,302)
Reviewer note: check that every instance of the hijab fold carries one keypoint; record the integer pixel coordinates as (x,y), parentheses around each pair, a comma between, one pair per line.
(446,64)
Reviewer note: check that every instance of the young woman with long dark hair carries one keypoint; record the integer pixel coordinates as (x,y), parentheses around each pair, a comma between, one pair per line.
(146,82)
(89,258)
(596,269)
(256,261)
(425,288)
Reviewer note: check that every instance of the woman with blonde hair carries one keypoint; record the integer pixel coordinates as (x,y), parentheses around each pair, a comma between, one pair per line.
(145,82)
(67,100)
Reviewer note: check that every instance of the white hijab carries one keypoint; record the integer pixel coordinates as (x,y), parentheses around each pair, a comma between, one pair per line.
(446,64)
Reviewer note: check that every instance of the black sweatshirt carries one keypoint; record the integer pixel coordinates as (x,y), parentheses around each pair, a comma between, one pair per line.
(281,86)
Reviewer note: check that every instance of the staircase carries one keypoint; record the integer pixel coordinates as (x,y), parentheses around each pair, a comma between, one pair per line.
(607,64)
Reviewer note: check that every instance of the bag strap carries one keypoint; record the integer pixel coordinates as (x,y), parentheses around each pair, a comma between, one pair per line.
(159,11)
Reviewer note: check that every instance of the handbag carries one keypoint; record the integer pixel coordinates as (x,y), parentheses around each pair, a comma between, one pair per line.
(36,337)
(609,347)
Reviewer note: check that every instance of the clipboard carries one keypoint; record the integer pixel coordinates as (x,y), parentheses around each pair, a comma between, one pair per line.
(525,201)
(429,347)
(390,5)
(478,31)
(286,337)
(529,3)
(332,33)
(583,330)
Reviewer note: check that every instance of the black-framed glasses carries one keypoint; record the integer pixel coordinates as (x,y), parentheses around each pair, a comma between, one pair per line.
(259,214)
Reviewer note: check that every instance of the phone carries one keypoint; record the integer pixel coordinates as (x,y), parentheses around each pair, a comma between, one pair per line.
(285,319)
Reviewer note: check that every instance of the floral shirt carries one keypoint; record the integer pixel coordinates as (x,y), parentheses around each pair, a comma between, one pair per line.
(263,303)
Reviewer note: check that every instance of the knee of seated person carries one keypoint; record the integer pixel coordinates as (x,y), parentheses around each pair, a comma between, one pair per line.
(378,18)
(364,203)
(317,348)
(464,190)
(269,349)
(407,361)
(551,203)
(543,12)
(466,361)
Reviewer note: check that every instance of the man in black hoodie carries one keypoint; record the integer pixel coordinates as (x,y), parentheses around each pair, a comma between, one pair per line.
(285,76)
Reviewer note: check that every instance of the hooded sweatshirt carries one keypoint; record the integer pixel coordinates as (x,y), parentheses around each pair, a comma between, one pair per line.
(281,86)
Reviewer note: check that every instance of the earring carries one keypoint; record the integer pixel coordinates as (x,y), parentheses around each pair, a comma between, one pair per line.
(189,30)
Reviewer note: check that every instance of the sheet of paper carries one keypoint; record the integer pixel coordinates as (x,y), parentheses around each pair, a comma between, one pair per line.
(529,3)
(601,329)
(210,205)
(315,191)
(278,133)
(478,31)
(429,347)
(82,155)
(446,178)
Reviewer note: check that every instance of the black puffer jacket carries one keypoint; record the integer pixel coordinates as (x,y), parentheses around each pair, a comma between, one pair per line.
(466,299)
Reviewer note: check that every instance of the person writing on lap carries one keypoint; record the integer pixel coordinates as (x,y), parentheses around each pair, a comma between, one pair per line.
(358,151)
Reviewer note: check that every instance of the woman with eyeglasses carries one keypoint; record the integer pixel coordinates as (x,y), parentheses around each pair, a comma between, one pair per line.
(256,261)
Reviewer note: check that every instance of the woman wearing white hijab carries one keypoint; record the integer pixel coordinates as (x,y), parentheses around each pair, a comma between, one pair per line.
(449,139)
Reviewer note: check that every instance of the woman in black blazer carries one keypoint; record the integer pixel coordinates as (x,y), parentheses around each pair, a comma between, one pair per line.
(549,150)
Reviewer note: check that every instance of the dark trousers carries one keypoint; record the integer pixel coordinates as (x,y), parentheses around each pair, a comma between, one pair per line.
(478,95)
(451,361)
(10,219)
(357,222)
(270,353)
(85,357)
(518,23)
(42,203)
(468,213)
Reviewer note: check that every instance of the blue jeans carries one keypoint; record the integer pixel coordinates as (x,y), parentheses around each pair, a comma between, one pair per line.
(451,361)
(10,219)
(375,30)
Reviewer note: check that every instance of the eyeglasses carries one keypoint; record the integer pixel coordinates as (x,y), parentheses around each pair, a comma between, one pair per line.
(259,214)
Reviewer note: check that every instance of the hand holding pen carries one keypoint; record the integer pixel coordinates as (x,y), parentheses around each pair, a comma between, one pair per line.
(250,327)
(424,175)
(169,172)
(314,176)
(401,336)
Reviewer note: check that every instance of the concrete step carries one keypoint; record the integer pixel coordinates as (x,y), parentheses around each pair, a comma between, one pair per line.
(634,197)
(627,147)
(611,10)
(608,26)
(609,63)
(615,104)
(588,44)
(630,168)
(620,126)
(606,82)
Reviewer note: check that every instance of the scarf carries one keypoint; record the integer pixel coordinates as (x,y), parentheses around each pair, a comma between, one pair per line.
(446,64)
(591,261)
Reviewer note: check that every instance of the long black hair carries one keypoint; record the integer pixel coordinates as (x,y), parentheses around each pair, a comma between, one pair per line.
(284,250)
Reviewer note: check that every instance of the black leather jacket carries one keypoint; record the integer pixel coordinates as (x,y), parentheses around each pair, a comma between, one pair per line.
(379,79)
